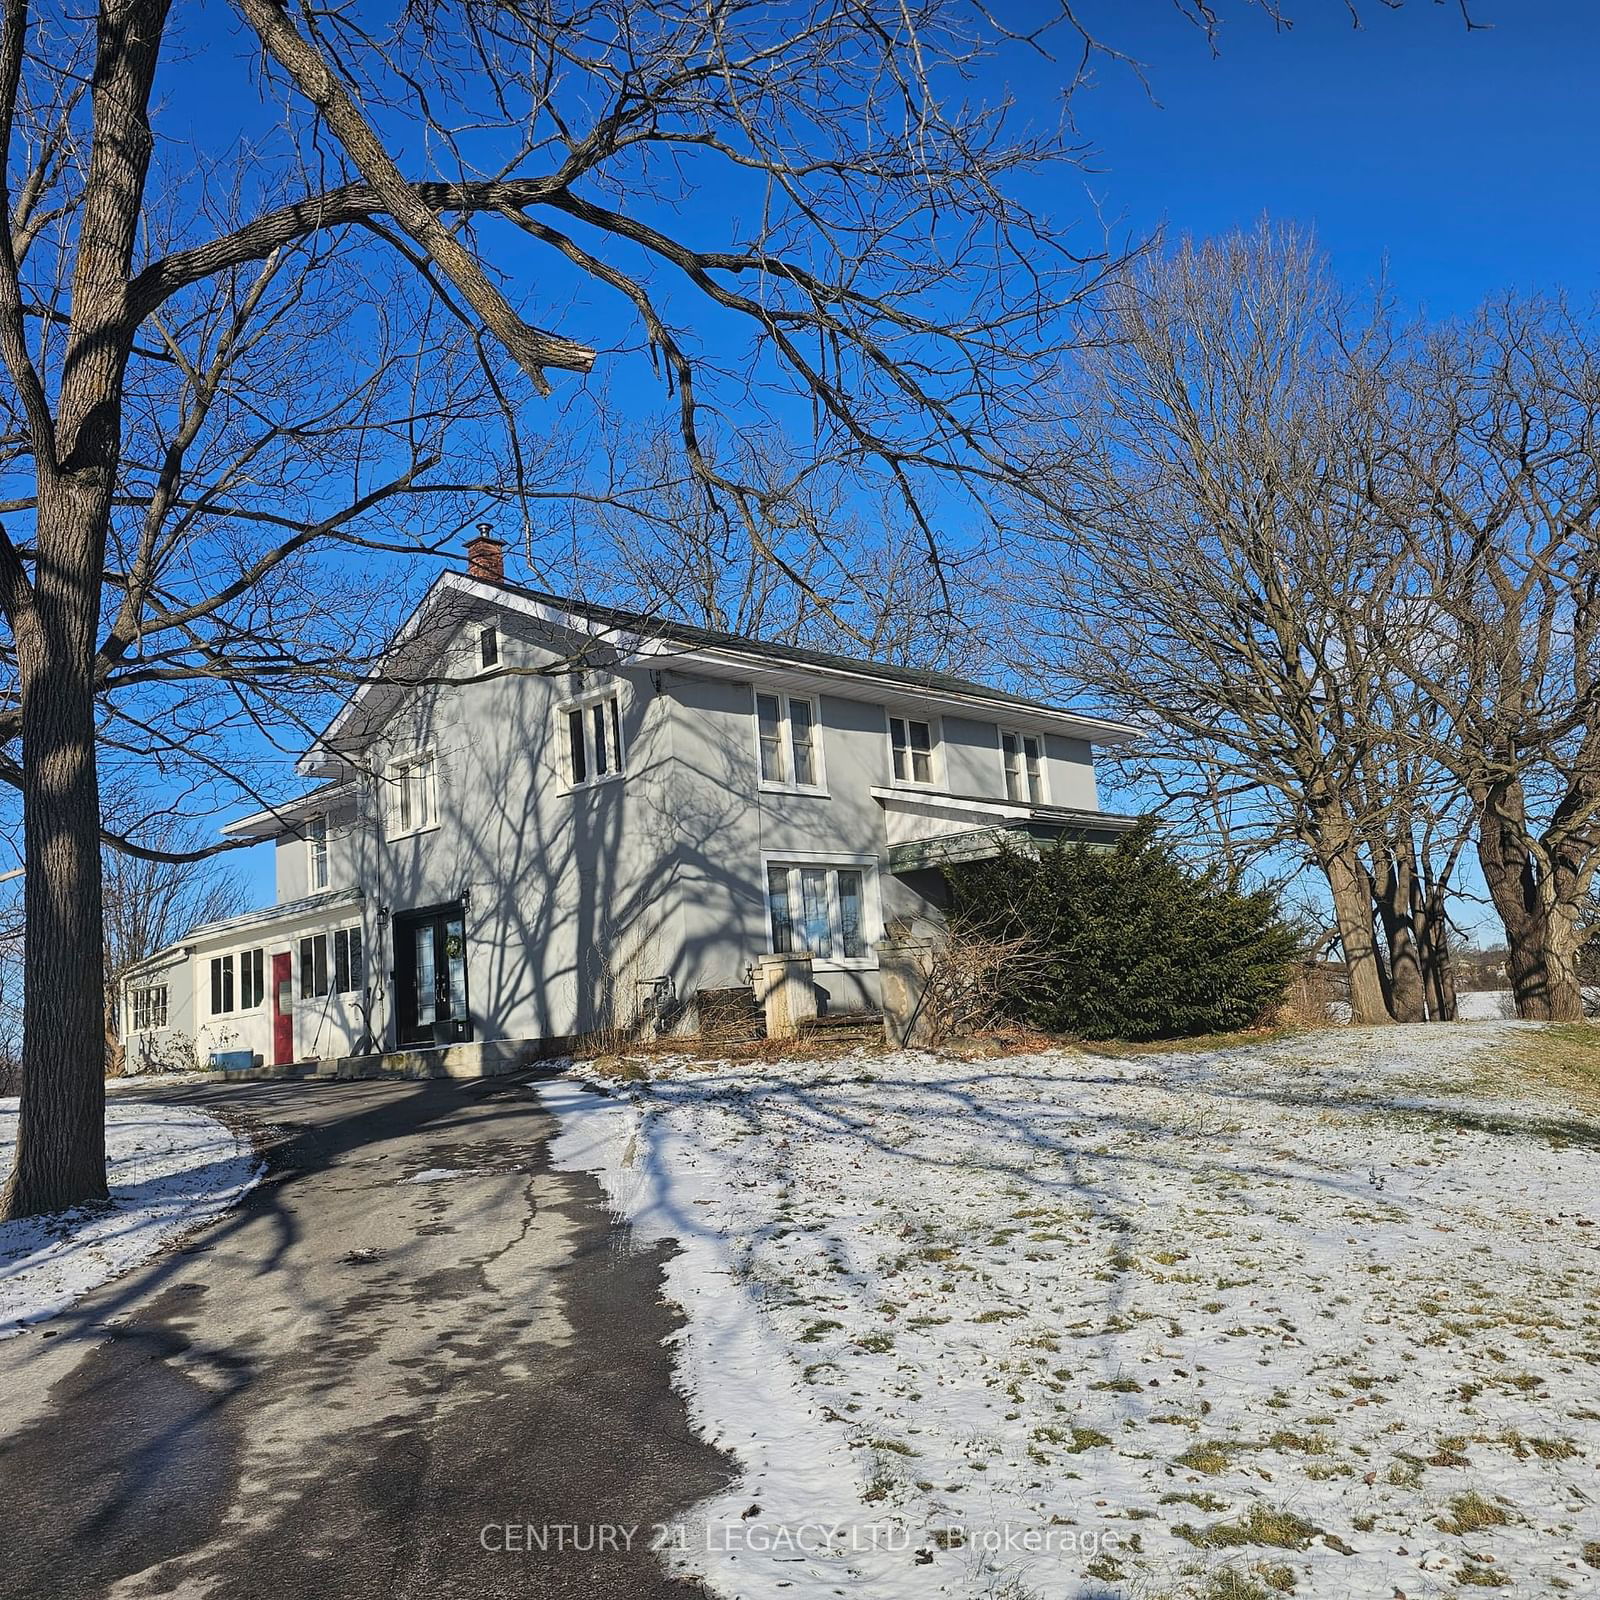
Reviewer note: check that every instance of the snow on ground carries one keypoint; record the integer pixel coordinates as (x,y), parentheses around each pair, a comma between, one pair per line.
(1320,1317)
(169,1169)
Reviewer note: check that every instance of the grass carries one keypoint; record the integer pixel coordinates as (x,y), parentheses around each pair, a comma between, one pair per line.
(1261,1524)
(1472,1513)
(1209,1458)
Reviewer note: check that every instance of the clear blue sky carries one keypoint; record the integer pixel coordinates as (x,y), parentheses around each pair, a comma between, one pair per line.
(1468,162)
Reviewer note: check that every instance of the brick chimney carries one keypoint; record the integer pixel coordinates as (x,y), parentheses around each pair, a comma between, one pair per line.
(486,556)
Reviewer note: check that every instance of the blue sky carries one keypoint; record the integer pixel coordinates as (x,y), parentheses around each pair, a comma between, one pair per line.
(1462,163)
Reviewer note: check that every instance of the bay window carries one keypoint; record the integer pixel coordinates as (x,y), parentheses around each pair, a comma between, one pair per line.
(818,909)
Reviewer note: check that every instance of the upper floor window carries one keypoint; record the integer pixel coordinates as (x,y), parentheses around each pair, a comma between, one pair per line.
(592,736)
(149,1008)
(786,732)
(413,794)
(1023,754)
(317,852)
(911,749)
(488,646)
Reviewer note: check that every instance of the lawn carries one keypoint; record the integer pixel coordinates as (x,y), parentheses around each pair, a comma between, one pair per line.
(1318,1315)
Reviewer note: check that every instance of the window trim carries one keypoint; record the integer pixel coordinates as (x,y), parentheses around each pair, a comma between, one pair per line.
(146,993)
(583,705)
(221,967)
(1002,733)
(488,643)
(313,824)
(393,769)
(787,784)
(871,906)
(935,726)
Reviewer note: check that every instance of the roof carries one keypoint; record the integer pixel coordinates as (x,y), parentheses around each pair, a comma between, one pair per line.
(268,824)
(666,642)
(261,917)
(641,625)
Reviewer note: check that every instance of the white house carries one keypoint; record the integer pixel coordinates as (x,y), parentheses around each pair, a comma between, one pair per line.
(543,817)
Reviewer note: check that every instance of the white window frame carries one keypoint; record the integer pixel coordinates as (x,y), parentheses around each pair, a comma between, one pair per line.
(788,784)
(610,696)
(142,1004)
(396,774)
(248,961)
(1022,738)
(831,861)
(935,728)
(317,853)
(223,963)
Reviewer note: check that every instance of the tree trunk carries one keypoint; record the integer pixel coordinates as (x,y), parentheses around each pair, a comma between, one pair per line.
(61,1148)
(1351,890)
(1434,939)
(1541,932)
(1393,898)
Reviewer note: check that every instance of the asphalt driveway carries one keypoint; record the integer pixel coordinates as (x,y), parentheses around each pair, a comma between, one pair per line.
(353,1384)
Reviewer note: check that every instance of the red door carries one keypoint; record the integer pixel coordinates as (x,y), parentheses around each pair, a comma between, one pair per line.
(282,1009)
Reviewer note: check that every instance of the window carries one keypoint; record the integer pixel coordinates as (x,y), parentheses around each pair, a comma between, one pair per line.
(344,970)
(347,960)
(912,746)
(817,909)
(786,738)
(221,985)
(488,646)
(413,795)
(594,740)
(1024,762)
(149,1008)
(317,852)
(252,978)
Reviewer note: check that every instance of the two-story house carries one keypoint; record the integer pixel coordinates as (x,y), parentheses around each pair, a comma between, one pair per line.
(542,817)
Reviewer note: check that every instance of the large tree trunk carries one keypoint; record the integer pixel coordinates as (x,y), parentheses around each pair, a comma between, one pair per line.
(61,1157)
(1541,931)
(1351,891)
(1393,897)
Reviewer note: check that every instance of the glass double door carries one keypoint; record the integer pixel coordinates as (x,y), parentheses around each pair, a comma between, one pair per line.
(430,958)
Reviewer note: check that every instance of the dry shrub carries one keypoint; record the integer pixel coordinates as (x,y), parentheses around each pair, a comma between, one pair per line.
(967,975)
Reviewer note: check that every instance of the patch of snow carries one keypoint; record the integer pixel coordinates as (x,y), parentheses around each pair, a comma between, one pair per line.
(169,1168)
(436,1175)
(1485,1005)
(1036,1325)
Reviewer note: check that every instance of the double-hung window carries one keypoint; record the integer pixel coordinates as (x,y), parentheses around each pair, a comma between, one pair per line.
(911,750)
(330,962)
(818,910)
(592,740)
(786,735)
(149,1008)
(1023,754)
(317,852)
(413,794)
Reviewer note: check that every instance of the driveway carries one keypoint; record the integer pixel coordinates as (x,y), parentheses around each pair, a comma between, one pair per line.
(354,1382)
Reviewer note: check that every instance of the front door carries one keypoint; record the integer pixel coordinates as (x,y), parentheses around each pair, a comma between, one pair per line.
(282,1008)
(430,958)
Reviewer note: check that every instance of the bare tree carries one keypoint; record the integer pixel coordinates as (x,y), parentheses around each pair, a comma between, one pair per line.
(1217,572)
(152,900)
(1491,473)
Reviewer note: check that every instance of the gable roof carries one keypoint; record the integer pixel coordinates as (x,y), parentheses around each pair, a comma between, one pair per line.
(664,642)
